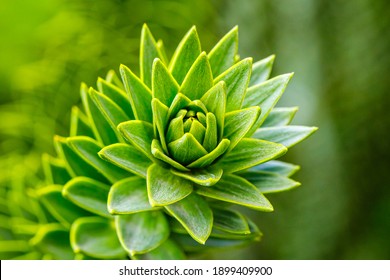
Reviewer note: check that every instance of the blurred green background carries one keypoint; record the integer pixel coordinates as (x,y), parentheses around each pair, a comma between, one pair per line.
(339,51)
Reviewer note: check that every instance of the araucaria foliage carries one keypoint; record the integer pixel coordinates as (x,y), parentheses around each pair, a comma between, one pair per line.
(154,164)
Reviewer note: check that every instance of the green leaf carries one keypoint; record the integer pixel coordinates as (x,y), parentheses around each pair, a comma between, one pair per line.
(54,170)
(103,131)
(79,124)
(198,130)
(114,80)
(254,233)
(195,216)
(215,102)
(88,194)
(230,221)
(235,189)
(250,152)
(165,188)
(238,123)
(280,116)
(179,102)
(169,250)
(112,112)
(222,56)
(53,239)
(199,78)
(265,95)
(160,121)
(164,86)
(149,51)
(96,237)
(279,167)
(142,232)
(211,134)
(88,150)
(139,134)
(175,129)
(61,209)
(160,46)
(140,95)
(116,94)
(268,182)
(158,152)
(210,157)
(186,53)
(204,177)
(129,196)
(261,70)
(285,135)
(186,149)
(237,80)
(75,164)
(127,157)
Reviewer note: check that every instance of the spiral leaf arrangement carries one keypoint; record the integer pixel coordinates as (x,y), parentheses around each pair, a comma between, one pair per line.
(154,164)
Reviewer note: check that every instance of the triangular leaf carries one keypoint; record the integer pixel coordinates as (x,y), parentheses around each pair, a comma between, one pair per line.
(139,94)
(237,80)
(186,149)
(158,153)
(112,112)
(126,157)
(88,150)
(142,232)
(211,136)
(96,237)
(204,177)
(213,155)
(79,124)
(160,121)
(103,131)
(222,56)
(164,187)
(75,164)
(186,53)
(285,135)
(280,116)
(238,123)
(164,86)
(278,167)
(261,70)
(116,94)
(199,78)
(149,51)
(63,210)
(88,194)
(250,152)
(230,221)
(268,182)
(139,134)
(235,189)
(265,95)
(215,102)
(129,196)
(181,101)
(195,215)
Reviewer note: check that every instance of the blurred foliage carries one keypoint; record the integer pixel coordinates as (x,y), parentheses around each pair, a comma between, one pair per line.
(338,51)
